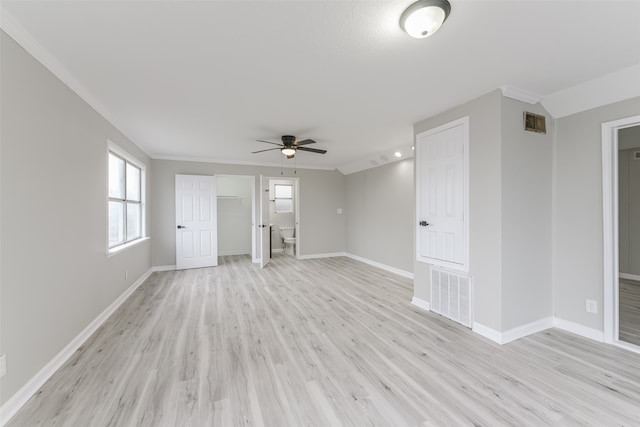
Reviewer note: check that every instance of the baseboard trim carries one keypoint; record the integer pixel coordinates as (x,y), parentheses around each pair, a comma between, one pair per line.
(231,253)
(420,303)
(329,255)
(277,251)
(163,268)
(17,401)
(629,276)
(579,329)
(528,329)
(515,333)
(487,332)
(394,270)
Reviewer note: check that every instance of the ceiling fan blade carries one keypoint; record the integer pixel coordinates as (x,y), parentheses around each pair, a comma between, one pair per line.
(261,151)
(304,142)
(312,150)
(268,142)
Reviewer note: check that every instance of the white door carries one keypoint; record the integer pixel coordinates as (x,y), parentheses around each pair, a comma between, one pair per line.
(196,222)
(264,230)
(442,195)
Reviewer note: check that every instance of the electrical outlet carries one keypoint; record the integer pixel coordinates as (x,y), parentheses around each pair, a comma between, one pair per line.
(3,365)
(592,306)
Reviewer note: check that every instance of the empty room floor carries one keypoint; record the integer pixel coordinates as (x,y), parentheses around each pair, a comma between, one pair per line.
(629,296)
(323,342)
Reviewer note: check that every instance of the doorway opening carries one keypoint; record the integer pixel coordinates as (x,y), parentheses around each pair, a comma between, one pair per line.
(619,229)
(236,213)
(284,216)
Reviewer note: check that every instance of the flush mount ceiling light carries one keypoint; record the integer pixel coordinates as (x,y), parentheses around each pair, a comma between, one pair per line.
(423,18)
(288,151)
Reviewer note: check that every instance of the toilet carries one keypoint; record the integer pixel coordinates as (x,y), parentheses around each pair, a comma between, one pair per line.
(288,240)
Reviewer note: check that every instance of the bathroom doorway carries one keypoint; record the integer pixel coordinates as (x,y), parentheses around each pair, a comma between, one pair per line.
(284,216)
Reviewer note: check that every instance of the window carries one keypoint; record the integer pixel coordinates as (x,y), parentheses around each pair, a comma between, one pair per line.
(126,198)
(283,198)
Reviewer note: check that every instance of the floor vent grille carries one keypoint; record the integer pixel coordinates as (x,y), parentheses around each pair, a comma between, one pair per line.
(451,296)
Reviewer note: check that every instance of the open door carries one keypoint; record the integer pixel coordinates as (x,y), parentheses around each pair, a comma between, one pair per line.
(196,222)
(264,230)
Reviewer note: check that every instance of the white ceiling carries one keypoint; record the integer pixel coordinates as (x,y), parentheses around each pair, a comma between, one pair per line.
(205,79)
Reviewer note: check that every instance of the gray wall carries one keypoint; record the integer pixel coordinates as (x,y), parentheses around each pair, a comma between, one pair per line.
(380,210)
(321,193)
(235,207)
(527,293)
(629,211)
(577,217)
(56,277)
(485,206)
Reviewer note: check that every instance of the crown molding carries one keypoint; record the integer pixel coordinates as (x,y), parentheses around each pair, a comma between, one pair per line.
(239,162)
(520,94)
(18,33)
(608,89)
(376,159)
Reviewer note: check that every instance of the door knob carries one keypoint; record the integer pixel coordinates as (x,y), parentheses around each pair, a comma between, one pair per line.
(423,223)
(181,226)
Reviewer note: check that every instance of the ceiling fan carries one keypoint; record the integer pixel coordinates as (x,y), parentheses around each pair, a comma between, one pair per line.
(289,146)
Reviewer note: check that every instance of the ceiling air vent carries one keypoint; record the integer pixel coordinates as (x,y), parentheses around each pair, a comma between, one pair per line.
(534,123)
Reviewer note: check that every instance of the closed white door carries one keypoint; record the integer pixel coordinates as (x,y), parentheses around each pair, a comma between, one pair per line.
(196,222)
(441,195)
(264,229)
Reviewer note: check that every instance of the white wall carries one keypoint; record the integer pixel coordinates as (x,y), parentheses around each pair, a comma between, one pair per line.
(485,206)
(56,277)
(577,216)
(322,230)
(380,208)
(235,207)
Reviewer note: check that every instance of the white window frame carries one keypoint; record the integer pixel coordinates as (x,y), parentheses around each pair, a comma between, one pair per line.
(276,198)
(120,152)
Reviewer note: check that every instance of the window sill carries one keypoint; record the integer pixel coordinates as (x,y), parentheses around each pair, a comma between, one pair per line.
(113,251)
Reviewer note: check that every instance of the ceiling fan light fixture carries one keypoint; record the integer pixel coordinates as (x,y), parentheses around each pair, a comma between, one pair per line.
(288,151)
(424,17)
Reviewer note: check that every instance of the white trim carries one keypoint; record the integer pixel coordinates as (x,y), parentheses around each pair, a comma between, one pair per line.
(277,251)
(163,268)
(629,276)
(42,55)
(604,90)
(120,248)
(528,329)
(464,267)
(627,346)
(420,303)
(15,402)
(394,270)
(579,329)
(520,94)
(515,333)
(328,255)
(487,332)
(610,223)
(238,162)
(231,253)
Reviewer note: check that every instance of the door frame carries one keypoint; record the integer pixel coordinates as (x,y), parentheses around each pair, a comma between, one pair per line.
(611,260)
(296,192)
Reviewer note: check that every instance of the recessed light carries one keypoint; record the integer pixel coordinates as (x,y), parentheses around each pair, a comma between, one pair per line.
(397,154)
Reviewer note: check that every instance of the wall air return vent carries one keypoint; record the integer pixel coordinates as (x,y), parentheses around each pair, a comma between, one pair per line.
(535,123)
(636,155)
(451,296)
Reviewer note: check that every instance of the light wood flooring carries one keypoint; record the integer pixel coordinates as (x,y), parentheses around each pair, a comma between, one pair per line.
(629,313)
(324,342)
